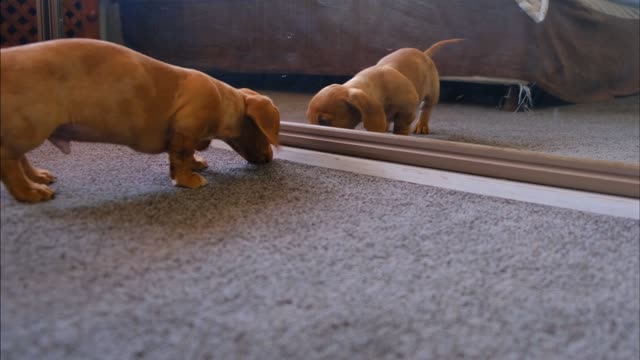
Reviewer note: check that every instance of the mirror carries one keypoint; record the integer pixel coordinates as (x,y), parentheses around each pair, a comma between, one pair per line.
(608,130)
(547,76)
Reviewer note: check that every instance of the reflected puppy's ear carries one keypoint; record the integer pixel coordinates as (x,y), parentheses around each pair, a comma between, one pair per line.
(371,112)
(318,103)
(263,114)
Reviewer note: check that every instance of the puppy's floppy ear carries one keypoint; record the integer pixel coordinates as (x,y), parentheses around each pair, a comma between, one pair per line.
(264,115)
(371,112)
(248,91)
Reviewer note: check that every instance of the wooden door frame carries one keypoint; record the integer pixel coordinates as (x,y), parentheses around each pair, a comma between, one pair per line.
(50,21)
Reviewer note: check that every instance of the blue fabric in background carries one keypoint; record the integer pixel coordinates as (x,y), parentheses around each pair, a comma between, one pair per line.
(635,3)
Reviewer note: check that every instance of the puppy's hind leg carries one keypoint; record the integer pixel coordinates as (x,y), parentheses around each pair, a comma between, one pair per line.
(422,127)
(21,135)
(39,176)
(19,185)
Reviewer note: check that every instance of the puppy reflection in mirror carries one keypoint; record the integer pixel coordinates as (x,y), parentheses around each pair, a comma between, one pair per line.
(389,92)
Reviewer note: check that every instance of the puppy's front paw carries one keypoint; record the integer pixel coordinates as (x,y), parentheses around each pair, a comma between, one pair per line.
(34,193)
(42,176)
(191,181)
(421,128)
(199,163)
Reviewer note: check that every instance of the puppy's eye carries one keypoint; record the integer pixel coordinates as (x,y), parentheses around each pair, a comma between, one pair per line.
(323,121)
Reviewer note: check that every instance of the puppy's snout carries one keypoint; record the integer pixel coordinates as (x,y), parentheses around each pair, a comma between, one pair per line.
(262,158)
(323,122)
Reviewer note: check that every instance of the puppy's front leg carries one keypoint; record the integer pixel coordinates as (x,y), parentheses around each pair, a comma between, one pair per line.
(199,163)
(182,162)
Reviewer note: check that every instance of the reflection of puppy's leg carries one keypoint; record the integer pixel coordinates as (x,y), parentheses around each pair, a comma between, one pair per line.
(402,123)
(422,127)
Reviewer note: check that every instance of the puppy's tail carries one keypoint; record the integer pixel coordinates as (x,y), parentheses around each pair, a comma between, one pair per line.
(435,47)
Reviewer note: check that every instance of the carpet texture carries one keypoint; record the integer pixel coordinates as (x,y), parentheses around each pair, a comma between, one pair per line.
(601,131)
(287,261)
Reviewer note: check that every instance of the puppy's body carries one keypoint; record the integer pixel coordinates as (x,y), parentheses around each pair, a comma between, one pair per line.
(89,90)
(388,92)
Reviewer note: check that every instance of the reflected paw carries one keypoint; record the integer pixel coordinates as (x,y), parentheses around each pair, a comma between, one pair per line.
(421,129)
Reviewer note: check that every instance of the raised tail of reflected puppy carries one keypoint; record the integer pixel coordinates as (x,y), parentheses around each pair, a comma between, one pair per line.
(435,47)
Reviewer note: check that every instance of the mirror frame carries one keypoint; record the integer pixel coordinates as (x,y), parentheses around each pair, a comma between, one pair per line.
(607,177)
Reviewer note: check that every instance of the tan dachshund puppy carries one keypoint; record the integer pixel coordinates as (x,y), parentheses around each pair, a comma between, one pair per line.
(388,92)
(96,91)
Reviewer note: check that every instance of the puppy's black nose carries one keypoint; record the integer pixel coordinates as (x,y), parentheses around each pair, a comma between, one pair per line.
(324,122)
